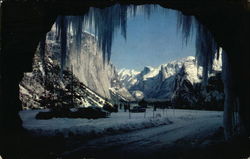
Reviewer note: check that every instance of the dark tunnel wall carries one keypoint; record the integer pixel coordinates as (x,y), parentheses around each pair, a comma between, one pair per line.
(25,23)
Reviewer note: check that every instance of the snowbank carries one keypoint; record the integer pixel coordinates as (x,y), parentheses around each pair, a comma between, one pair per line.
(116,123)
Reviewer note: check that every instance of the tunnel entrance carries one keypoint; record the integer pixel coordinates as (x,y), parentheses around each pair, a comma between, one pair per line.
(70,90)
(29,56)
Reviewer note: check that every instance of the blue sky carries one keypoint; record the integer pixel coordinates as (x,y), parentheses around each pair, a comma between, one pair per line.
(150,42)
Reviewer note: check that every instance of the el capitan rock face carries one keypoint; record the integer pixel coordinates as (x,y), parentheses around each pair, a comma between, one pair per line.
(88,64)
(47,86)
(92,79)
(85,76)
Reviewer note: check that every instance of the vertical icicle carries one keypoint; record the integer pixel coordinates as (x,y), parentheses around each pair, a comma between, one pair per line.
(76,23)
(42,50)
(63,28)
(42,57)
(106,23)
(185,24)
(206,49)
(229,97)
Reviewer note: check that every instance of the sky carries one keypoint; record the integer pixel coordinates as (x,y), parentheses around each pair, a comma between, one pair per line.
(150,42)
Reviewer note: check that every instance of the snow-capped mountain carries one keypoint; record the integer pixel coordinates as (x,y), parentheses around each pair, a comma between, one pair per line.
(126,77)
(198,95)
(158,82)
(118,91)
(165,81)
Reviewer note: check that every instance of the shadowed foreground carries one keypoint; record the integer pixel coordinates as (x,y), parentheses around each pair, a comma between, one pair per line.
(189,136)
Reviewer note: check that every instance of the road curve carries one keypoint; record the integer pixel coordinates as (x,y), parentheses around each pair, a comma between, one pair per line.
(147,143)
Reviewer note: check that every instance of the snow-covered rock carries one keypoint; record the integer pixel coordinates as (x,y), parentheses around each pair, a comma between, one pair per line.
(127,77)
(157,82)
(120,93)
(38,91)
(173,80)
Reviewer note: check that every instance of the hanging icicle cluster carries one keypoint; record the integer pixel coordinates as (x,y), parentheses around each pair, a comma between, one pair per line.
(64,25)
(42,49)
(206,47)
(62,35)
(107,21)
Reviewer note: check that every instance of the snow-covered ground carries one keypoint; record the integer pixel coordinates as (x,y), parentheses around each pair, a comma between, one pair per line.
(189,126)
(124,137)
(117,123)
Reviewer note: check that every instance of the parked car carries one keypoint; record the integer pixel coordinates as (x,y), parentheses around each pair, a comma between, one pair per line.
(137,109)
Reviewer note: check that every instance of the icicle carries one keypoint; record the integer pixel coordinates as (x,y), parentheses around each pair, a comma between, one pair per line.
(229,97)
(76,23)
(62,30)
(42,50)
(106,23)
(206,47)
(185,24)
(58,27)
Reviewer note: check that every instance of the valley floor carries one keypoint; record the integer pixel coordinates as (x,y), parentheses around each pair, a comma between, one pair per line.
(190,134)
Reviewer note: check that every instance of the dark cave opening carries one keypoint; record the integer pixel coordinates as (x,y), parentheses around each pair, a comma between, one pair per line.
(20,40)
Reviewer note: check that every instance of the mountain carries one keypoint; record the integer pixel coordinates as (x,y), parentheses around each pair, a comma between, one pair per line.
(178,80)
(126,77)
(47,86)
(184,91)
(94,81)
(118,90)
(197,95)
(158,82)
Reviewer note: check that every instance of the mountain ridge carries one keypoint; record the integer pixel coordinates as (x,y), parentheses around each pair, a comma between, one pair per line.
(160,82)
